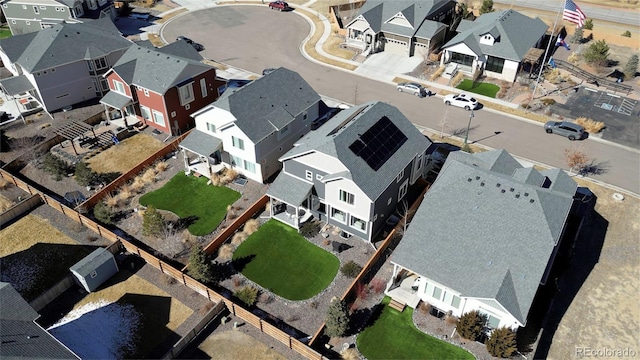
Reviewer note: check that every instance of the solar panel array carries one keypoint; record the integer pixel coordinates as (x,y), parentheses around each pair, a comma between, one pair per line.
(378,143)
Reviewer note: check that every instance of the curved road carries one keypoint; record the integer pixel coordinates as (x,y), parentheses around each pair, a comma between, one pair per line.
(254,38)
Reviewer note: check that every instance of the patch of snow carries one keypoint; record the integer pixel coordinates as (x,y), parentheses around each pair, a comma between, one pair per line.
(99,330)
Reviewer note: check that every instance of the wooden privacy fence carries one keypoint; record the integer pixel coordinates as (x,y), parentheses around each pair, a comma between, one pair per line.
(229,231)
(185,340)
(348,295)
(19,209)
(124,178)
(178,275)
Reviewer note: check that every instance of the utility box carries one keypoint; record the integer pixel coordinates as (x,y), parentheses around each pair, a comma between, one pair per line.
(94,269)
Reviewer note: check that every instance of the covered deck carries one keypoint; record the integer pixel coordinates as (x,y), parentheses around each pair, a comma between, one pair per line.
(202,154)
(289,200)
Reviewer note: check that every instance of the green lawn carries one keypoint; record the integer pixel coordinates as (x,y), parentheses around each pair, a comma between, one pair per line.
(278,258)
(4,32)
(485,89)
(191,196)
(393,336)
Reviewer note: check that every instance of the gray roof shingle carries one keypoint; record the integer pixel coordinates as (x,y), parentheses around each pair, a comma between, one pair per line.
(289,189)
(485,233)
(269,103)
(63,44)
(160,69)
(335,137)
(377,12)
(515,34)
(21,337)
(201,143)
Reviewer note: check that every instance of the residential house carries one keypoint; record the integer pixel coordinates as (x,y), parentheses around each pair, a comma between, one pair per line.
(484,238)
(352,172)
(250,127)
(495,43)
(22,337)
(407,27)
(62,65)
(25,16)
(160,87)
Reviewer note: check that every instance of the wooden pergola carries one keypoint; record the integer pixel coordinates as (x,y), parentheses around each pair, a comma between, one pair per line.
(74,129)
(532,57)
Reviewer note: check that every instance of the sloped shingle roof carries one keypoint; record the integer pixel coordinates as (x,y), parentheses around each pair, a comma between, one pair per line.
(269,103)
(485,233)
(335,137)
(63,44)
(515,34)
(160,69)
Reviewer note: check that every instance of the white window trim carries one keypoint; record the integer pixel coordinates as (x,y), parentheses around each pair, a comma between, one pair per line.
(117,89)
(344,217)
(203,87)
(403,190)
(355,219)
(155,118)
(186,98)
(349,198)
(308,175)
(142,107)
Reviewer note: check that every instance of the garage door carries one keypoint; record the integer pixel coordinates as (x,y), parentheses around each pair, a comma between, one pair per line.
(395,46)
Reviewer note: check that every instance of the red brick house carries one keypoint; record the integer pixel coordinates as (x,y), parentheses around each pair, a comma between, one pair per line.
(160,87)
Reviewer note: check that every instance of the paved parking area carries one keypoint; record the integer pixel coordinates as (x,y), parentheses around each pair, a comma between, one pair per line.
(620,114)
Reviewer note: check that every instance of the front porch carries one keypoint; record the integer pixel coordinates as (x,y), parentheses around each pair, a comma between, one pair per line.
(403,288)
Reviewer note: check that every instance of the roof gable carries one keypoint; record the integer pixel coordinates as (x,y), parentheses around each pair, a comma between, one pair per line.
(65,43)
(336,137)
(269,103)
(515,34)
(491,225)
(158,70)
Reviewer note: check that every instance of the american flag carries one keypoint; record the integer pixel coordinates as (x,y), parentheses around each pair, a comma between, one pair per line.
(572,13)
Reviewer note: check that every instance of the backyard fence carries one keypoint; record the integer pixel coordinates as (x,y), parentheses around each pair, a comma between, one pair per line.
(124,178)
(166,268)
(185,340)
(53,292)
(249,213)
(350,294)
(19,209)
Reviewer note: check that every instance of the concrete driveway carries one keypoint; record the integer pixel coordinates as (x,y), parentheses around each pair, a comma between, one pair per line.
(385,66)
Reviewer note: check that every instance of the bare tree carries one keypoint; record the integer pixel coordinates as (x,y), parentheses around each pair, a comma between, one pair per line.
(576,158)
(28,148)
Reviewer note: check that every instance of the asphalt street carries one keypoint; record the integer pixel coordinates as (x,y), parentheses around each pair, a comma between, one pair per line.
(253,38)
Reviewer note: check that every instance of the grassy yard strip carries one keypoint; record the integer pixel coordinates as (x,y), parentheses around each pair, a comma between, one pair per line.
(393,336)
(485,89)
(35,255)
(5,32)
(191,196)
(127,154)
(301,269)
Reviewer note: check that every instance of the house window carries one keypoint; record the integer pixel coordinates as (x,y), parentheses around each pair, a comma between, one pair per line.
(249,166)
(403,189)
(93,274)
(237,143)
(237,161)
(186,94)
(36,10)
(145,112)
(211,127)
(100,63)
(158,118)
(494,64)
(119,86)
(347,197)
(102,2)
(93,5)
(203,87)
(104,84)
(455,302)
(437,292)
(308,175)
(338,215)
(400,176)
(146,92)
(358,224)
(462,59)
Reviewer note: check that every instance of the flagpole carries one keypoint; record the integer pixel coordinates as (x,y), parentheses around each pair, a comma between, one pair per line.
(544,59)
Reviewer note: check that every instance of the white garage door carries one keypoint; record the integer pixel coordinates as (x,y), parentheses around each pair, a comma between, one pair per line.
(395,46)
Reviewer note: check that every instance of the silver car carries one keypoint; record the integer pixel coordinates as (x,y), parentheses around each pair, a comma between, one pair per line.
(413,88)
(567,129)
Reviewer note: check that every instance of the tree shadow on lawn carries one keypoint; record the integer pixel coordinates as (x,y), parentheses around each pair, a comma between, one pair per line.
(571,269)
(240,263)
